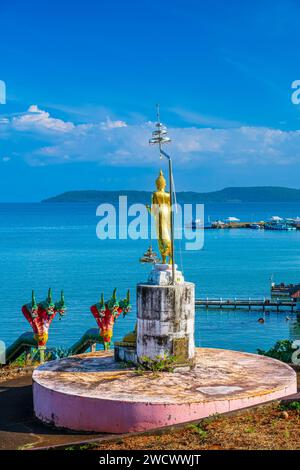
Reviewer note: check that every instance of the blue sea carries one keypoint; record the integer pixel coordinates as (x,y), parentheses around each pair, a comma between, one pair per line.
(43,245)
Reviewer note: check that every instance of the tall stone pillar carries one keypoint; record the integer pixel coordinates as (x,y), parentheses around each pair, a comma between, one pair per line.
(165,321)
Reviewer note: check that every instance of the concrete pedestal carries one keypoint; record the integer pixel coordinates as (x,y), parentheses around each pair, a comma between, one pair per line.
(165,326)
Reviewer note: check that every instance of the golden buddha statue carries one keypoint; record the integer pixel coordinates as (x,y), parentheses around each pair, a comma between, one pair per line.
(161,210)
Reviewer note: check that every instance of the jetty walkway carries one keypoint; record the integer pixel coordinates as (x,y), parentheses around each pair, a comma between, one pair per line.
(264,304)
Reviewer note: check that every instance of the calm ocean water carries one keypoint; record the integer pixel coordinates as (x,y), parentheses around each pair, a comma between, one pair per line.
(44,245)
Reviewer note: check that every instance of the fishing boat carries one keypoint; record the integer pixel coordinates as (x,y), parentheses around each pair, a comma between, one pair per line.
(279,227)
(277,223)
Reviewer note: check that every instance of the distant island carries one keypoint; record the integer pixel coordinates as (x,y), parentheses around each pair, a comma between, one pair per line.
(230,195)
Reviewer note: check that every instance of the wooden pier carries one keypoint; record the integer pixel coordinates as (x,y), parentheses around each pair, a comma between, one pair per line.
(263,304)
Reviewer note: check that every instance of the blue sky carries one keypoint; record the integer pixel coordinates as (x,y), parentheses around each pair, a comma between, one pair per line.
(83,79)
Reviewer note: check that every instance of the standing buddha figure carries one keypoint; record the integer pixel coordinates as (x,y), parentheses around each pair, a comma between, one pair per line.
(161,210)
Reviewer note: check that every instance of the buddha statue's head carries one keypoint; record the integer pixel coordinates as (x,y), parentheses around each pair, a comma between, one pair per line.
(160,182)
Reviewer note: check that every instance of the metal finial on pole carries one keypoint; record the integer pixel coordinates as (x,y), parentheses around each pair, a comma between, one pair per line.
(158,112)
(159,126)
(159,136)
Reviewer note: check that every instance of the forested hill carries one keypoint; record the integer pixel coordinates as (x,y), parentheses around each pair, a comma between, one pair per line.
(234,194)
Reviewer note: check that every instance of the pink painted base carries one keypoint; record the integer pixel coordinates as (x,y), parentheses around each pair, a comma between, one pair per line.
(92,393)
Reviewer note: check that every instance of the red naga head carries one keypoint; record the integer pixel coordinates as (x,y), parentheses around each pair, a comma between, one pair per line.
(41,315)
(106,313)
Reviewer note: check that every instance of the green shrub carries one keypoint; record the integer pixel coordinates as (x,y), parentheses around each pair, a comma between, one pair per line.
(282,350)
(293,405)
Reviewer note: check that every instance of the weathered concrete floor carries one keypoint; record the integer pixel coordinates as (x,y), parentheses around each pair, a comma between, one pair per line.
(219,374)
(18,426)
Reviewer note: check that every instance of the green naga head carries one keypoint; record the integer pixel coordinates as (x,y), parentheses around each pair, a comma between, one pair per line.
(113,304)
(101,305)
(49,304)
(33,306)
(60,306)
(125,304)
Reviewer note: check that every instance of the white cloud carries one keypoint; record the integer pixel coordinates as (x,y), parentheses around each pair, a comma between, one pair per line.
(34,109)
(109,124)
(114,142)
(38,120)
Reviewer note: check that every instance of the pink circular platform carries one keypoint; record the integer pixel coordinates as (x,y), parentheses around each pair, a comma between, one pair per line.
(91,392)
